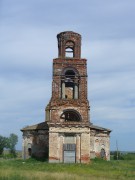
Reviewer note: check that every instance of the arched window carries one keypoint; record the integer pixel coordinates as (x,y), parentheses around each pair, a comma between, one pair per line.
(70,73)
(69,49)
(71,115)
(102,153)
(29,149)
(69,52)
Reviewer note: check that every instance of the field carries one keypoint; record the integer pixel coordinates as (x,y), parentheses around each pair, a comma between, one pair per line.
(97,169)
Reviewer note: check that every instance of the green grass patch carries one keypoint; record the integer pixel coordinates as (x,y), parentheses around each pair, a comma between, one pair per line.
(97,169)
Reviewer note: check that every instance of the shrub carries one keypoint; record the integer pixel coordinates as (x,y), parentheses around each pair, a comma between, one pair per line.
(129,156)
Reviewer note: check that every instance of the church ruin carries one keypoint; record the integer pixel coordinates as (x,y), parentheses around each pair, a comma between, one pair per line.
(67,135)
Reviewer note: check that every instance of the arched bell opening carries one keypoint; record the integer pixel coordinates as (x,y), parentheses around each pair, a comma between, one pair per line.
(69,52)
(69,49)
(69,84)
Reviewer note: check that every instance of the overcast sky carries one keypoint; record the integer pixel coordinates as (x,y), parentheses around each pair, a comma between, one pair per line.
(28,44)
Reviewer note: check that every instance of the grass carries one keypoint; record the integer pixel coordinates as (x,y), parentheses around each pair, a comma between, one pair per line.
(97,169)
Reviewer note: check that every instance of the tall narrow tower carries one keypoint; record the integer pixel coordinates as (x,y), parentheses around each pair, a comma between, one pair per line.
(67,113)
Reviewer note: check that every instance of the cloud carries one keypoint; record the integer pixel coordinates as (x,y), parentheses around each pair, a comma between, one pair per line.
(111,86)
(28,32)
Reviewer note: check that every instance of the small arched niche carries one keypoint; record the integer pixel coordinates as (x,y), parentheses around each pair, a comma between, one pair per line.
(102,153)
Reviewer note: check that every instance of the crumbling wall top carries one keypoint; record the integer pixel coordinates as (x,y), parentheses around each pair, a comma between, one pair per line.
(69,44)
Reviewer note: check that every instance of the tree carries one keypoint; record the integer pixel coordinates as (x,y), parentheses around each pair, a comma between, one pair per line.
(3,143)
(12,141)
(118,155)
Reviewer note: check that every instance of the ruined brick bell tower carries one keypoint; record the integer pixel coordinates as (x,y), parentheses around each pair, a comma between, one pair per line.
(67,113)
(67,134)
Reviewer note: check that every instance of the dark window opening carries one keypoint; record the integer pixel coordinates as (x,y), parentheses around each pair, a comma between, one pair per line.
(29,151)
(71,115)
(70,73)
